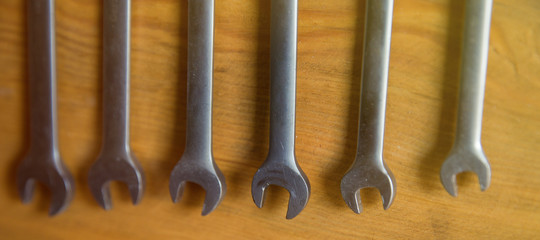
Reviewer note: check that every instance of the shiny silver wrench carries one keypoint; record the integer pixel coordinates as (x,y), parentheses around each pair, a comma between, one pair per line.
(467,153)
(116,161)
(280,167)
(42,161)
(369,168)
(197,164)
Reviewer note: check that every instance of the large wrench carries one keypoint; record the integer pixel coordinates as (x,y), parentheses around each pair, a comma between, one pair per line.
(369,168)
(197,164)
(280,167)
(467,153)
(42,161)
(116,160)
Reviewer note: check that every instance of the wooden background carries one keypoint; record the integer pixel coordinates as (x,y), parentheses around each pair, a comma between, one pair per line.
(420,123)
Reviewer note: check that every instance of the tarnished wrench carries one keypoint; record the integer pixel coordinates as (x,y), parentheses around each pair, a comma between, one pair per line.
(197,164)
(116,161)
(42,161)
(280,167)
(467,153)
(369,168)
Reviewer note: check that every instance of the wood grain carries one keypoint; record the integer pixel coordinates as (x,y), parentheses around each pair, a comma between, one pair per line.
(420,123)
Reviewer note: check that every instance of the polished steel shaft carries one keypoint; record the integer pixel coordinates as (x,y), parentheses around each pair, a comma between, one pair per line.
(116,161)
(280,167)
(369,168)
(42,161)
(197,164)
(467,153)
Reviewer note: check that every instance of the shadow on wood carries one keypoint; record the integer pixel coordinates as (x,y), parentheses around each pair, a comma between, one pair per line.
(261,116)
(333,180)
(81,178)
(432,162)
(176,147)
(11,174)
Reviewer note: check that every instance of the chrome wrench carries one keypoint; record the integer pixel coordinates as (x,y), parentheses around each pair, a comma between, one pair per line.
(197,164)
(369,168)
(280,167)
(116,161)
(467,153)
(42,161)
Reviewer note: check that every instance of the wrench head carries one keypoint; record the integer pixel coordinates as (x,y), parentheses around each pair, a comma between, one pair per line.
(368,176)
(203,173)
(51,172)
(122,167)
(465,160)
(290,177)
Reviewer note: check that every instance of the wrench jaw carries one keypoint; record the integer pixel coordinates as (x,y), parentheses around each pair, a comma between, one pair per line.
(205,174)
(124,168)
(291,178)
(465,160)
(357,178)
(57,179)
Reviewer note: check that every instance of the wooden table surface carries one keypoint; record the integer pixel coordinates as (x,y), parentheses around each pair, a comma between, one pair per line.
(420,123)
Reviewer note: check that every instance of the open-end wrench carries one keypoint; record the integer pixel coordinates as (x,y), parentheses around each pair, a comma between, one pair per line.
(116,161)
(197,164)
(369,168)
(467,153)
(42,161)
(280,167)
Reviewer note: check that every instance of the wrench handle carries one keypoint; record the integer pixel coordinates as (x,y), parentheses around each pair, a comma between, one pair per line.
(283,38)
(376,57)
(473,72)
(199,79)
(42,77)
(116,46)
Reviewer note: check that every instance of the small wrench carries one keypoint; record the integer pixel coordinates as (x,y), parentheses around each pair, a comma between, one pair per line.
(116,161)
(280,167)
(42,161)
(197,164)
(467,153)
(369,168)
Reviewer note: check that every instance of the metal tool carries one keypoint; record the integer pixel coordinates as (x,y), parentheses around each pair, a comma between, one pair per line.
(467,153)
(280,167)
(369,168)
(42,161)
(197,164)
(116,161)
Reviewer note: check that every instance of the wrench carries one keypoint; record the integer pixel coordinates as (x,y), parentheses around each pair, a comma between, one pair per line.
(42,161)
(280,167)
(369,168)
(467,153)
(116,161)
(197,164)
